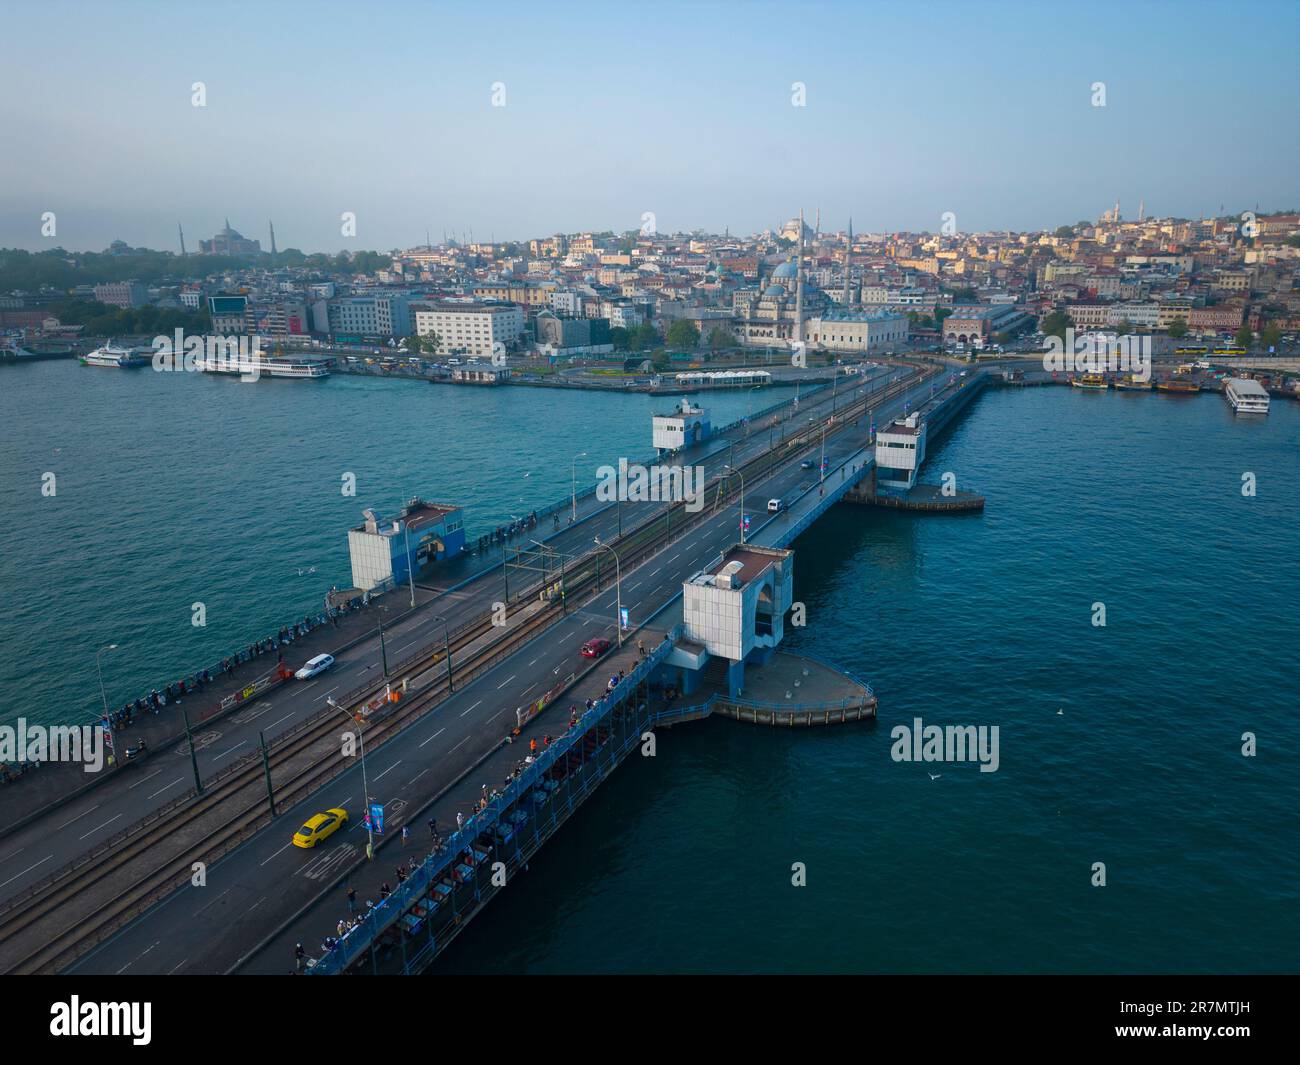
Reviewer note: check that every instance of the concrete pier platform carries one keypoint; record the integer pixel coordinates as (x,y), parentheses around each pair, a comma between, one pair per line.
(789,690)
(927,497)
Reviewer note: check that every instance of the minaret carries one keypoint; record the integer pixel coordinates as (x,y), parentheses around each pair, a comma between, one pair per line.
(848,257)
(1142,210)
(272,225)
(182,236)
(798,286)
(817,225)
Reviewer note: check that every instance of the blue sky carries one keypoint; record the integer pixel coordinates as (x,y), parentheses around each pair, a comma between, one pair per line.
(680,109)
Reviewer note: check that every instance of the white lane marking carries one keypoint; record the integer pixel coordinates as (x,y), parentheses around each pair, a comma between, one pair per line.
(464,712)
(495,716)
(435,735)
(274,723)
(529,688)
(533,662)
(389,770)
(636,586)
(505,682)
(105,824)
(81,815)
(234,748)
(459,745)
(257,904)
(177,966)
(27,870)
(280,851)
(137,958)
(171,785)
(143,779)
(330,692)
(415,778)
(409,645)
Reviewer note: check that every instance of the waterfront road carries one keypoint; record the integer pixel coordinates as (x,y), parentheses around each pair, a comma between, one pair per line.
(51,840)
(267,887)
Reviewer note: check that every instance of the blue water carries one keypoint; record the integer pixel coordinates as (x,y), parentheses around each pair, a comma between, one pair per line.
(175,489)
(683,862)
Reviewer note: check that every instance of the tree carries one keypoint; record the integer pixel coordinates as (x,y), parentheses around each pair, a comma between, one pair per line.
(643,337)
(1063,232)
(1270,336)
(1125,326)
(1055,324)
(683,334)
(720,338)
(1178,328)
(1245,337)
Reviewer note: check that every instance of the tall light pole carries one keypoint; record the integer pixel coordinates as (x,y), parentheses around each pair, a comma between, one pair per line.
(410,562)
(365,783)
(99,669)
(822,470)
(573,472)
(742,502)
(383,650)
(618,588)
(446,645)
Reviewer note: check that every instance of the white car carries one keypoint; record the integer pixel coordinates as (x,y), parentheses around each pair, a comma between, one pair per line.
(319,664)
(775,506)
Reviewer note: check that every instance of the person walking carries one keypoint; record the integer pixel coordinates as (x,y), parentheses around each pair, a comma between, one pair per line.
(433,828)
(460,820)
(299,957)
(352,900)
(406,834)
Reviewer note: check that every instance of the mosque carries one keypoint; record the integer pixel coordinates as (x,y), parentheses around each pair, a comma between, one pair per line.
(779,312)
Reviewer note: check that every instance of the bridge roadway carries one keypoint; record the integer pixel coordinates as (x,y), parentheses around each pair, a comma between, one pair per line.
(466,590)
(266,892)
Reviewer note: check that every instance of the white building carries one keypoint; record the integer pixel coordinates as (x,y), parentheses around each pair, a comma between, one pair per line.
(900,450)
(373,316)
(737,606)
(686,426)
(472,328)
(858,331)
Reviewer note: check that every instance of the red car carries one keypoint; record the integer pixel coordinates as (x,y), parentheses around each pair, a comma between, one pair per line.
(595,648)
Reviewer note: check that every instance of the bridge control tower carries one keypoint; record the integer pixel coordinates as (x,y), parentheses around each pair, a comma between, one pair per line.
(900,451)
(735,609)
(685,426)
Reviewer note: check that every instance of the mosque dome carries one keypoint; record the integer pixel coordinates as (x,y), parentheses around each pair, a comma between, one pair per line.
(773,292)
(786,269)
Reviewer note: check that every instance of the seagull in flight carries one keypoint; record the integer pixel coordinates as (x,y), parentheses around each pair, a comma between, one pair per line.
(935,776)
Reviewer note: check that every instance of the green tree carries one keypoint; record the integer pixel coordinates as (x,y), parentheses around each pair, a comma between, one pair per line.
(1063,232)
(1270,336)
(643,337)
(683,334)
(720,338)
(1178,328)
(619,337)
(1055,324)
(1245,337)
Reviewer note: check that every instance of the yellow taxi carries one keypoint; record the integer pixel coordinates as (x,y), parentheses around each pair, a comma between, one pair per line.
(320,827)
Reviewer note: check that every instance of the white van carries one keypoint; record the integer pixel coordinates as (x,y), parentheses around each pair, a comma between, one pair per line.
(315,665)
(775,506)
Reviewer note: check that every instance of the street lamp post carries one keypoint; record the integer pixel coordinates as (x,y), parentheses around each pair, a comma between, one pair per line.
(742,502)
(100,670)
(383,650)
(410,562)
(618,590)
(573,471)
(365,783)
(446,649)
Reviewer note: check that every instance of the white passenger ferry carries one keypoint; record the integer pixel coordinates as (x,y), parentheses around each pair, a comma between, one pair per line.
(1246,396)
(115,355)
(261,366)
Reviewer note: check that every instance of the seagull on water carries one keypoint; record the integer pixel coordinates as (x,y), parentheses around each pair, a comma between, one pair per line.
(1060,712)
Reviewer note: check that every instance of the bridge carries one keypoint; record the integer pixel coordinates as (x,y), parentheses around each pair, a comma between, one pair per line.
(258,889)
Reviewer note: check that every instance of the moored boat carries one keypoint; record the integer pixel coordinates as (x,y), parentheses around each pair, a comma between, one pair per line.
(1177,384)
(1131,382)
(1246,396)
(115,355)
(1096,382)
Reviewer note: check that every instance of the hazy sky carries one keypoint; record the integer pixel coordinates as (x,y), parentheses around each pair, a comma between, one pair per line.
(612,110)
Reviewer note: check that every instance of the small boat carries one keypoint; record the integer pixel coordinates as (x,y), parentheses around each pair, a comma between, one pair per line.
(1185,386)
(115,355)
(1132,382)
(1095,382)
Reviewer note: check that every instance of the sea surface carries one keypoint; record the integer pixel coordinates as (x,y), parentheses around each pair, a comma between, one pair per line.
(1119,745)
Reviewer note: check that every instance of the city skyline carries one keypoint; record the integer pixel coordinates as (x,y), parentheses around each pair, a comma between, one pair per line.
(591,122)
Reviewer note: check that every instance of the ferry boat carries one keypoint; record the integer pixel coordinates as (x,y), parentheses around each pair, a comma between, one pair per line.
(115,355)
(15,352)
(1132,382)
(1095,381)
(1185,386)
(262,366)
(1246,396)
